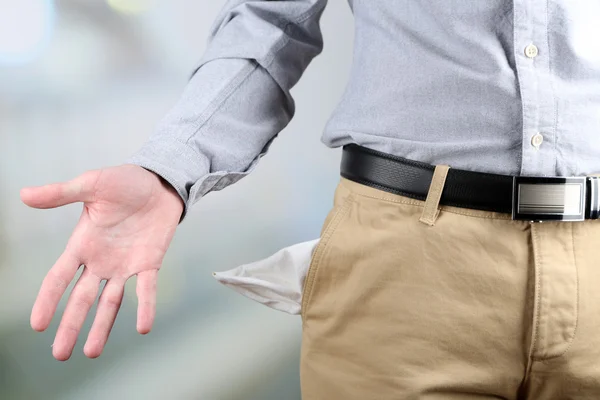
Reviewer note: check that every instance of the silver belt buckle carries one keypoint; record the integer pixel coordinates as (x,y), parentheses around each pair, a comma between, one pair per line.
(550,198)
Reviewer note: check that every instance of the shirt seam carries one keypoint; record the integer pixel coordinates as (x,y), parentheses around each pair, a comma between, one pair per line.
(215,105)
(242,76)
(519,71)
(180,142)
(285,39)
(553,91)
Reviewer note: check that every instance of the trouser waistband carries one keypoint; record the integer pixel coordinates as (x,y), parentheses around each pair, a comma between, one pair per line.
(526,198)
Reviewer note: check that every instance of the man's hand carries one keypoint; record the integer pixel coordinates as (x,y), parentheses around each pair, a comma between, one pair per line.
(128,220)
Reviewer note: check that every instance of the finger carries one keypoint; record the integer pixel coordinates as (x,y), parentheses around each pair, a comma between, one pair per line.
(53,287)
(108,307)
(146,294)
(60,194)
(81,300)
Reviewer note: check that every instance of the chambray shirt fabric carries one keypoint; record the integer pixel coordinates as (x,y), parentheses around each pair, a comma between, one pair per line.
(502,86)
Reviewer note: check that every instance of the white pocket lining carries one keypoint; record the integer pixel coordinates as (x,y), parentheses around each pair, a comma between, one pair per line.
(276,281)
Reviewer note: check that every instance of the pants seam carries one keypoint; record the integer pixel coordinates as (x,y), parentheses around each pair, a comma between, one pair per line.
(319,254)
(571,339)
(414,203)
(537,266)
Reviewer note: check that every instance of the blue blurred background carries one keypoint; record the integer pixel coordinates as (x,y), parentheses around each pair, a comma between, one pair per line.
(82,85)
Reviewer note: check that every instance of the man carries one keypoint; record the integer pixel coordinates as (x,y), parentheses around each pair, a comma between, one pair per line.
(433,278)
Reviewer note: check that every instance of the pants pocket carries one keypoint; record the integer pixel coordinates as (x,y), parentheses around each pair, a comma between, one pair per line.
(276,281)
(331,224)
(284,280)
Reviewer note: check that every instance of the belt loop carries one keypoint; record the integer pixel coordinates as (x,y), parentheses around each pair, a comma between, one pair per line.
(431,209)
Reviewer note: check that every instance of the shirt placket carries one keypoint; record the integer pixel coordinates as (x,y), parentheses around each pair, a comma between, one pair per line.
(533,63)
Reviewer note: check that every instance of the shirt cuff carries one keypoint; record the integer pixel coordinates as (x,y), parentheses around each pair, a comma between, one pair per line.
(176,162)
(186,170)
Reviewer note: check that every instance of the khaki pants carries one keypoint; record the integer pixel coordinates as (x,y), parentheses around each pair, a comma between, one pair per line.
(476,306)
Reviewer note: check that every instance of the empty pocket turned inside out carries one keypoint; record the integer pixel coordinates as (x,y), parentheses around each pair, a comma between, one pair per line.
(276,281)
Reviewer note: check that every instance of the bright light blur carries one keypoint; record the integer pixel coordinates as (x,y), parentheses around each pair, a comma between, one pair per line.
(83,90)
(130,6)
(25,29)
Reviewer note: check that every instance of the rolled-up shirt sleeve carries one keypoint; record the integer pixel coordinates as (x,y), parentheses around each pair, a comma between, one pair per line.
(238,99)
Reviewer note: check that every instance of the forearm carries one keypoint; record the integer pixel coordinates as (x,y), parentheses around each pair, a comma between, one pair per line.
(229,113)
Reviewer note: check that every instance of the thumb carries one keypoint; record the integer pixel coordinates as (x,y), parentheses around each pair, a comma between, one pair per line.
(60,194)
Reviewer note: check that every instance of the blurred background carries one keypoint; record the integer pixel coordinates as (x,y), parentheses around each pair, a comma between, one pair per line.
(82,84)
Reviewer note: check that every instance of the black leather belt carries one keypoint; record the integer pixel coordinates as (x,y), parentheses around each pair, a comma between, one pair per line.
(526,198)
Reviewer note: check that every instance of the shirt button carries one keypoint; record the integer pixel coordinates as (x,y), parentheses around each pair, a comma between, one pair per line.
(536,140)
(531,51)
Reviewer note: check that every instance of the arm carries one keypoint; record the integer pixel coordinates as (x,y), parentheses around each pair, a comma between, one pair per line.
(239,98)
(235,104)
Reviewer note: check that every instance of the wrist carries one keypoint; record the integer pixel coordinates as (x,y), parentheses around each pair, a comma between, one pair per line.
(171,196)
(166,195)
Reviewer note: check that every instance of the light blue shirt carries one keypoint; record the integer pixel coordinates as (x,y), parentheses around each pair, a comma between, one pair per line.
(501,86)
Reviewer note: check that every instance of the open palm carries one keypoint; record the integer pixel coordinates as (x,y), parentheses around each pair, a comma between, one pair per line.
(128,220)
